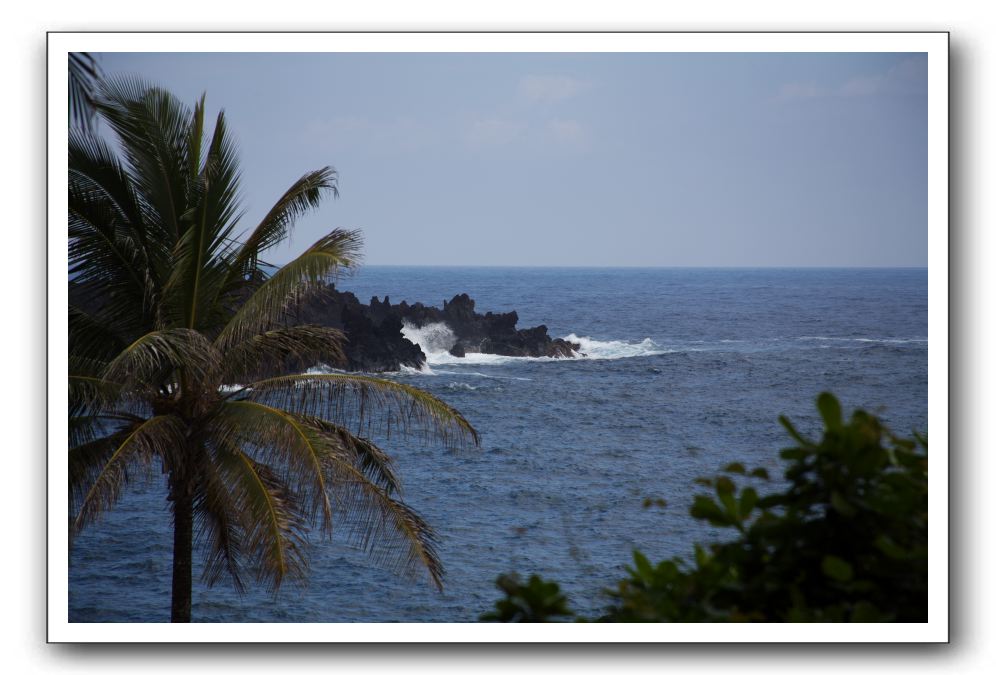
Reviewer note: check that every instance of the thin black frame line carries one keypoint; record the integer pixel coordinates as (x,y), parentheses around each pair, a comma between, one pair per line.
(507,32)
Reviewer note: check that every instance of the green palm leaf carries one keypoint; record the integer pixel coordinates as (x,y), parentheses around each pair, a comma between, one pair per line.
(271,351)
(281,440)
(368,403)
(391,532)
(200,272)
(153,358)
(273,528)
(220,527)
(84,73)
(304,195)
(264,309)
(373,461)
(321,462)
(154,438)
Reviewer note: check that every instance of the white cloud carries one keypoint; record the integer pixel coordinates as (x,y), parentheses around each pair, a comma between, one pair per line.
(549,89)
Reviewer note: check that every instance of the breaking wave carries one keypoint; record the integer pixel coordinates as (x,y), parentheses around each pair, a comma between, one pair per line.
(616,349)
(436,340)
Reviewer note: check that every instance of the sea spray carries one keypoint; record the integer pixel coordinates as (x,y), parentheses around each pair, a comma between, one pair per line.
(432,338)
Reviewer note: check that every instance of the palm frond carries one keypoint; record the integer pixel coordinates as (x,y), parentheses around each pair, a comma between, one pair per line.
(343,481)
(263,310)
(153,130)
(281,440)
(152,358)
(304,195)
(84,73)
(367,404)
(273,529)
(262,354)
(88,428)
(98,471)
(200,270)
(220,527)
(96,175)
(388,530)
(376,464)
(195,136)
(108,249)
(92,443)
(89,394)
(95,340)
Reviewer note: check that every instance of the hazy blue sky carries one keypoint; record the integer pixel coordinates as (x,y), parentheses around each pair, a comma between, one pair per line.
(583,159)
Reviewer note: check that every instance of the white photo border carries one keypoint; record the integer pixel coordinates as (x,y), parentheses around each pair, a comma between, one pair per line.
(933,44)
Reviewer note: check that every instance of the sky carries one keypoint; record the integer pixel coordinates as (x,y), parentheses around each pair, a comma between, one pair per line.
(637,159)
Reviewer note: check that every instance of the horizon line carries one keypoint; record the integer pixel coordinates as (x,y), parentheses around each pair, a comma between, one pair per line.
(689,267)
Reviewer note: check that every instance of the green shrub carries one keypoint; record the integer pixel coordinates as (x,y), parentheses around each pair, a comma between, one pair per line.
(845,539)
(536,601)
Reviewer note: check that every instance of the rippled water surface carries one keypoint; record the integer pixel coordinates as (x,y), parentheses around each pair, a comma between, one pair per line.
(687,370)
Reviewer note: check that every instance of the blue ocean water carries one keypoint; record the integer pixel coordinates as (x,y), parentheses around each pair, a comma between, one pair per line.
(686,370)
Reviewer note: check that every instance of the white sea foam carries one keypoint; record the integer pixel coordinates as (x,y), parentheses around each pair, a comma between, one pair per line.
(436,340)
(321,369)
(432,338)
(424,370)
(616,349)
(463,385)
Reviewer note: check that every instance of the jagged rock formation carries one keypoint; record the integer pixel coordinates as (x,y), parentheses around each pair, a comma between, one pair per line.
(375,339)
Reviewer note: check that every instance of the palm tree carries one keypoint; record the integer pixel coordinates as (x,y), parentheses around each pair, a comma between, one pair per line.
(175,333)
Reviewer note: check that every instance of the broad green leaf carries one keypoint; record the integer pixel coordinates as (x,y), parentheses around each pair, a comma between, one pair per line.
(837,568)
(643,566)
(843,507)
(829,409)
(748,499)
(724,486)
(706,508)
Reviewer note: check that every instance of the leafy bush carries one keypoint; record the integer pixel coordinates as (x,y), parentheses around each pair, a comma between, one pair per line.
(536,601)
(844,540)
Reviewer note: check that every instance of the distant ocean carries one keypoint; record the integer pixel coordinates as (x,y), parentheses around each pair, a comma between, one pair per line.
(686,371)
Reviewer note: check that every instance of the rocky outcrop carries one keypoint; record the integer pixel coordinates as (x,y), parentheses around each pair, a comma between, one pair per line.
(487,334)
(375,342)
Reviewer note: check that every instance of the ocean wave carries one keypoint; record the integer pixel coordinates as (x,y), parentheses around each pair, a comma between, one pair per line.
(616,349)
(471,373)
(436,340)
(477,359)
(432,337)
(424,370)
(900,341)
(466,387)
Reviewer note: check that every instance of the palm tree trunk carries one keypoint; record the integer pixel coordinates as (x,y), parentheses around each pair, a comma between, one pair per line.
(183,540)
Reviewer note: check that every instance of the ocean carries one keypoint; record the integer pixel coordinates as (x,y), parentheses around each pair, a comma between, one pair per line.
(685,371)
